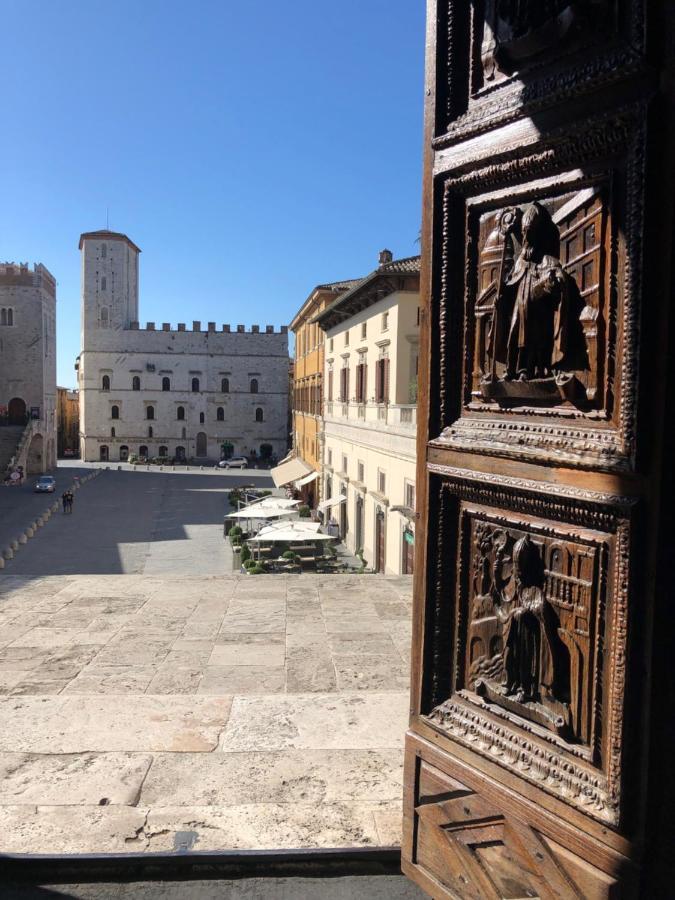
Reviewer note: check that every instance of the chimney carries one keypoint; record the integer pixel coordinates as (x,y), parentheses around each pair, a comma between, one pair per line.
(386,256)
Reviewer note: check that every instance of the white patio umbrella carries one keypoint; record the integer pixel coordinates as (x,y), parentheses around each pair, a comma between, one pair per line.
(262,512)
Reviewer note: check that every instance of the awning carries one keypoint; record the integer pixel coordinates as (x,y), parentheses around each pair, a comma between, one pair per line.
(332,501)
(262,512)
(290,532)
(290,471)
(306,480)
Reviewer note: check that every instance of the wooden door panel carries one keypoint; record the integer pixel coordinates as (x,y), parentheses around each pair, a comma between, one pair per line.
(545,397)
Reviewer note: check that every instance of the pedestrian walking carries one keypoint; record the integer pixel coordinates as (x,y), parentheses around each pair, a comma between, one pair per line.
(67,500)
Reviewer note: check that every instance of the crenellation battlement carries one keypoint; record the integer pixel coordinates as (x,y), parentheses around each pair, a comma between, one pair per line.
(22,275)
(212,328)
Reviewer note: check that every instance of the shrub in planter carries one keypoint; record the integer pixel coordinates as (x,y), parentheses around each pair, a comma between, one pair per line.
(288,554)
(249,563)
(236,531)
(256,570)
(245,553)
(303,512)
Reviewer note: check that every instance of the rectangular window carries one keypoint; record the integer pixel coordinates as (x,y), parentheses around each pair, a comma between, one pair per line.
(410,495)
(344,464)
(364,329)
(346,338)
(385,321)
(361,473)
(381,482)
(382,381)
(419,313)
(330,457)
(361,379)
(330,344)
(330,385)
(344,384)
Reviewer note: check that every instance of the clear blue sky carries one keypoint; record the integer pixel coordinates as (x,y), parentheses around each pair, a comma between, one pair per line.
(251,149)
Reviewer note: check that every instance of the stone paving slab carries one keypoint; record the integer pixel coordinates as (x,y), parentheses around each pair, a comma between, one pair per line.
(255,712)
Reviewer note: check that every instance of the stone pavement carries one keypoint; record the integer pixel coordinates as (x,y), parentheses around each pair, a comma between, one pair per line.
(135,522)
(147,712)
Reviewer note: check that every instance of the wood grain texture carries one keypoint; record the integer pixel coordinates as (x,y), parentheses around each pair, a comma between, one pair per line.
(542,445)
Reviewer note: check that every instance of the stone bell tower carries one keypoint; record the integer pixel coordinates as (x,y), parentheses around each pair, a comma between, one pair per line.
(109,283)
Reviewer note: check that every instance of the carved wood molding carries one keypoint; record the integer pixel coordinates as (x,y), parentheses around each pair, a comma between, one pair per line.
(557,775)
(600,434)
(587,773)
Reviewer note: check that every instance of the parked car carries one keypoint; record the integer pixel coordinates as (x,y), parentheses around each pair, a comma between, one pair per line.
(236,462)
(45,485)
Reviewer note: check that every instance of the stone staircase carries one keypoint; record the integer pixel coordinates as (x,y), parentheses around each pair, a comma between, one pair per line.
(10,438)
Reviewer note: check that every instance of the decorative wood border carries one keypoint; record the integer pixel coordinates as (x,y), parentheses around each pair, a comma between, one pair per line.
(570,437)
(561,769)
(550,82)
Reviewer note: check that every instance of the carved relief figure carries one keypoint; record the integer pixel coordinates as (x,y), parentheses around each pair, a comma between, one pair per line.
(519,30)
(535,330)
(536,663)
(528,639)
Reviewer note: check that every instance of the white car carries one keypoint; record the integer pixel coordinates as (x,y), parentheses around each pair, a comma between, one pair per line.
(236,462)
(45,485)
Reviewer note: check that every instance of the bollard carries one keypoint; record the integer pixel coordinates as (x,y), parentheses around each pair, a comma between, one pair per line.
(40,521)
(30,531)
(55,506)
(14,544)
(8,553)
(23,538)
(2,563)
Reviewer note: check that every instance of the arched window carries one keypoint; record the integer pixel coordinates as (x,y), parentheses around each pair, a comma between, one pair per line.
(115,412)
(124,453)
(201,418)
(254,385)
(195,385)
(225,386)
(259,414)
(183,433)
(149,430)
(180,413)
(105,383)
(150,412)
(163,451)
(10,316)
(3,316)
(135,383)
(112,432)
(104,251)
(143,451)
(220,414)
(103,282)
(166,384)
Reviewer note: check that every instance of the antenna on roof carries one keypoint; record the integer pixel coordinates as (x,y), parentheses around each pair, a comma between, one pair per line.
(107,224)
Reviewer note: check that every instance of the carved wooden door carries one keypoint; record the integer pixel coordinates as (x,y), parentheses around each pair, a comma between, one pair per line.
(542,685)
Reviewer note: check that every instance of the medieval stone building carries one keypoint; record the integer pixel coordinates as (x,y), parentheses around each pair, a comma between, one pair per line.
(27,367)
(171,392)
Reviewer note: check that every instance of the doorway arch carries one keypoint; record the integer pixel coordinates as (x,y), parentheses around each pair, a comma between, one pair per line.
(201,443)
(124,453)
(35,460)
(16,411)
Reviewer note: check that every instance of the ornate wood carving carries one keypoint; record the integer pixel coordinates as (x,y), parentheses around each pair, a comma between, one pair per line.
(545,390)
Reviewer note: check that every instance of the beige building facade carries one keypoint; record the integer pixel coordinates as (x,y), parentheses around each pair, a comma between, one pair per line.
(370,414)
(163,392)
(307,397)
